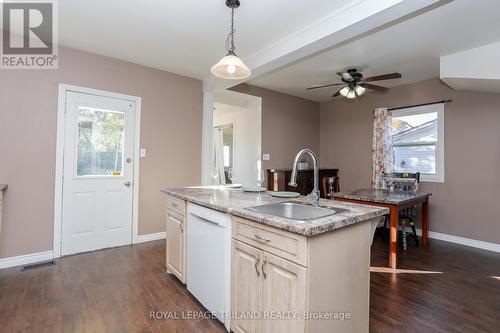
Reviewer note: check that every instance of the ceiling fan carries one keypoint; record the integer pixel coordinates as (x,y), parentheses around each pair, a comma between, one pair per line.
(355,85)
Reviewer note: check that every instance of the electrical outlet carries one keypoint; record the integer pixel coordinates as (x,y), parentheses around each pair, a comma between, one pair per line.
(266,157)
(143,152)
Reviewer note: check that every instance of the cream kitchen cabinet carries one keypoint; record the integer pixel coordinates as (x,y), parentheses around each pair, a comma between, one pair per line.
(246,288)
(283,295)
(266,287)
(176,238)
(281,280)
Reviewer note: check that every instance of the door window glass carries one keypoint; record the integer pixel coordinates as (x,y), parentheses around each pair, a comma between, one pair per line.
(100,142)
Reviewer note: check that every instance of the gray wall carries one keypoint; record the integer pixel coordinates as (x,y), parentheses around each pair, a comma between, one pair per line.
(466,204)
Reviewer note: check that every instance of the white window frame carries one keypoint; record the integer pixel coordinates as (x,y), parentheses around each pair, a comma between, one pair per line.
(438,177)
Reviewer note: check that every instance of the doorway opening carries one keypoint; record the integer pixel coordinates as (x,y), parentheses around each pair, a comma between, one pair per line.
(237,123)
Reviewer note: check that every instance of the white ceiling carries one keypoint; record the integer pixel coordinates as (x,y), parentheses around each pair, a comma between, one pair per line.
(185,36)
(412,47)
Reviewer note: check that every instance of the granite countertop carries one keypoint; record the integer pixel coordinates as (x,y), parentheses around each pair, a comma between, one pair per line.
(381,196)
(234,202)
(3,187)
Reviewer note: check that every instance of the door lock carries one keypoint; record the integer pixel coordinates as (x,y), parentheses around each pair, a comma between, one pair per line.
(128,160)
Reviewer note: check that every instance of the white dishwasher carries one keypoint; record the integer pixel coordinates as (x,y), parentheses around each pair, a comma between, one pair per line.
(209,259)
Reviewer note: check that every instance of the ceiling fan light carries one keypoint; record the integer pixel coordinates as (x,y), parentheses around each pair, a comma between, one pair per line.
(344,91)
(360,90)
(231,67)
(351,94)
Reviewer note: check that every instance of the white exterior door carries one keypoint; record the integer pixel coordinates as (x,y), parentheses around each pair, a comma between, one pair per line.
(98,172)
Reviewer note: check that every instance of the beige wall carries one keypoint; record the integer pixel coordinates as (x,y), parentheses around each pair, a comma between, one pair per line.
(172,109)
(171,133)
(466,204)
(288,124)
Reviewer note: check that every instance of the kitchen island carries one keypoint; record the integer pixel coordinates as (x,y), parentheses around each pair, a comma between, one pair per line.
(290,275)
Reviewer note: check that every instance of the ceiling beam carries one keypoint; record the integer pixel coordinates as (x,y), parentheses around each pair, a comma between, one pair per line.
(349,22)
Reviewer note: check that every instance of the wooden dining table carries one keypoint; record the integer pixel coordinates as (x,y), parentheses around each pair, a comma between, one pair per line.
(395,201)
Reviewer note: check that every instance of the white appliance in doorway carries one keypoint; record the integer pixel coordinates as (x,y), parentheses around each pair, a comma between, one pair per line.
(98,172)
(209,259)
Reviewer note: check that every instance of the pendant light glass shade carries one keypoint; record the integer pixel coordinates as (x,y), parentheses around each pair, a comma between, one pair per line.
(231,67)
(360,90)
(344,91)
(351,94)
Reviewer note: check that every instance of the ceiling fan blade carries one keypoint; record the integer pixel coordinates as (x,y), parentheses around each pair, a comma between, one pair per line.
(325,85)
(346,76)
(373,87)
(383,77)
(337,93)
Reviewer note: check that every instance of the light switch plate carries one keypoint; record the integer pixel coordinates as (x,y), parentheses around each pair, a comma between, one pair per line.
(143,152)
(266,157)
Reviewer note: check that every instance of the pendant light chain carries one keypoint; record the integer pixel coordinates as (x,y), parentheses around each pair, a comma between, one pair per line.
(230,38)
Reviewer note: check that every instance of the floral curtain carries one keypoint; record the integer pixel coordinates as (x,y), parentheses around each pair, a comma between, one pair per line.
(381,146)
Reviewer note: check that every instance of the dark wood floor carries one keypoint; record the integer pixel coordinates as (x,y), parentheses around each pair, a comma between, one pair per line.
(115,290)
(463,298)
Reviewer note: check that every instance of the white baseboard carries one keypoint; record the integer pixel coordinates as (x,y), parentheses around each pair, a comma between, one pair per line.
(463,241)
(151,237)
(49,255)
(26,259)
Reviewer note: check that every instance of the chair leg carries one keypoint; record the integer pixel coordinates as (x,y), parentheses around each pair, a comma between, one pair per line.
(385,231)
(403,233)
(414,232)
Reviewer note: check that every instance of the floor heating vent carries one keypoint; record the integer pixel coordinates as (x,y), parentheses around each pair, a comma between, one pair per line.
(38,265)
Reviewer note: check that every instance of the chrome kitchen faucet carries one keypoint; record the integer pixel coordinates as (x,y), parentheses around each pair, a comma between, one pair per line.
(293,179)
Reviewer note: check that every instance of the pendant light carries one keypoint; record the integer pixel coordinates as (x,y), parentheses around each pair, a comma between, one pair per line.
(231,66)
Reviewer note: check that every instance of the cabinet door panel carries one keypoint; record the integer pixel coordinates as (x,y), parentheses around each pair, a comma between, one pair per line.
(175,245)
(246,288)
(284,295)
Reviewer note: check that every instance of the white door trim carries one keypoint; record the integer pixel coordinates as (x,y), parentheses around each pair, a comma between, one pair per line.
(61,123)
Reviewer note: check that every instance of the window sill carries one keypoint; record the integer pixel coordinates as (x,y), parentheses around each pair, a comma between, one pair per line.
(431,178)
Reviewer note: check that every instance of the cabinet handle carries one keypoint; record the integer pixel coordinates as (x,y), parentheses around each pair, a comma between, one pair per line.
(261,239)
(257,266)
(264,274)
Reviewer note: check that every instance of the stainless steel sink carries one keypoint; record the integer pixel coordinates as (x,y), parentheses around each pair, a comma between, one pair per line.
(295,210)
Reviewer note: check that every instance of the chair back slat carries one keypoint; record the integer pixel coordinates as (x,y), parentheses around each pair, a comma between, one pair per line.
(401,181)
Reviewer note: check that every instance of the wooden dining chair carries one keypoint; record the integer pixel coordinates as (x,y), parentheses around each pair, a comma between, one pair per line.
(325,186)
(403,182)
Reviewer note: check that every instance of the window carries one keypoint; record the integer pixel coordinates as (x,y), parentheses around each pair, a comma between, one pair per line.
(100,142)
(227,160)
(418,141)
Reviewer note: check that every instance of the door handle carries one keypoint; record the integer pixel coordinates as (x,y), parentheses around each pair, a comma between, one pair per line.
(127,183)
(262,239)
(264,274)
(257,266)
